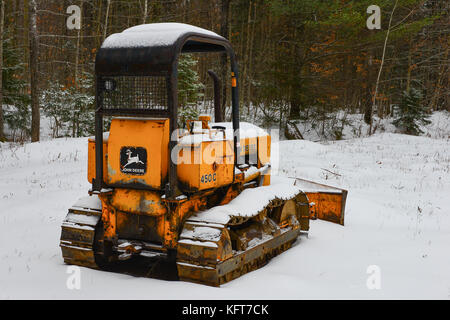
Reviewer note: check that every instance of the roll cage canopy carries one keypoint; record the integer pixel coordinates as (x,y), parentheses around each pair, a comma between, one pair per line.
(152,49)
(137,74)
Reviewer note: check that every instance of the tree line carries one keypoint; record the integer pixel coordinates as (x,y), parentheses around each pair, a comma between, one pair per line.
(298,59)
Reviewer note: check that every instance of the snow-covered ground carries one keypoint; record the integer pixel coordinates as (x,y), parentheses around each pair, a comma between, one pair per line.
(397,218)
(353,126)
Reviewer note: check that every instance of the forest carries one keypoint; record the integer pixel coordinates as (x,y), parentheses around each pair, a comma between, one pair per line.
(300,61)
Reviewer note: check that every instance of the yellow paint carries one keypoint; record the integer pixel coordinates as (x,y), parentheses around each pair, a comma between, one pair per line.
(327,206)
(206,165)
(264,143)
(210,165)
(151,134)
(138,201)
(91,159)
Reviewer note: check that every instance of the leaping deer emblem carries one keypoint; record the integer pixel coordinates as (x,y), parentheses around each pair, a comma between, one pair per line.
(131,159)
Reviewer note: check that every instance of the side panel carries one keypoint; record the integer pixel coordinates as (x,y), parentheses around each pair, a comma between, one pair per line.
(137,214)
(216,169)
(138,153)
(91,160)
(188,168)
(206,165)
(264,144)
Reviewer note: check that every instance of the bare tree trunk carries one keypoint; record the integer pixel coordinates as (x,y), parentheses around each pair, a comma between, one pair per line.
(22,29)
(2,19)
(108,3)
(244,76)
(368,90)
(144,18)
(408,76)
(99,24)
(75,124)
(34,53)
(250,70)
(438,85)
(247,65)
(381,66)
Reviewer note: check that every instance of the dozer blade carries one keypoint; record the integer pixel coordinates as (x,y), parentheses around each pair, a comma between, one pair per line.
(78,235)
(327,202)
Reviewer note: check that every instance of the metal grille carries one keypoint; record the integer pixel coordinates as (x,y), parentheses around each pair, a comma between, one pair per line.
(131,92)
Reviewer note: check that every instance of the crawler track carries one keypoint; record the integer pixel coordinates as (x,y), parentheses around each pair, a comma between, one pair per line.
(213,253)
(239,264)
(210,250)
(78,236)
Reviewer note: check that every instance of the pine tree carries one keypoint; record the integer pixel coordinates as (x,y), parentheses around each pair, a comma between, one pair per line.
(70,109)
(56,105)
(189,89)
(410,113)
(16,102)
(83,103)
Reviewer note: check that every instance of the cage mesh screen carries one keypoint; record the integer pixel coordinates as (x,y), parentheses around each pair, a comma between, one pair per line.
(130,92)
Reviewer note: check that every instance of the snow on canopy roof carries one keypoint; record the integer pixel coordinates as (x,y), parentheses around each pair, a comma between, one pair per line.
(151,49)
(155,35)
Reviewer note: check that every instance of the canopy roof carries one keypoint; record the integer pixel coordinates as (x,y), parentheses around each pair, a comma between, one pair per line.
(153,48)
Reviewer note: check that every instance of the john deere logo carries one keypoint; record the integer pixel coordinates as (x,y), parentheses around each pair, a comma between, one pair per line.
(133,160)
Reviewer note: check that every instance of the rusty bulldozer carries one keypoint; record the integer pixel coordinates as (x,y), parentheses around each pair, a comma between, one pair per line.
(201,198)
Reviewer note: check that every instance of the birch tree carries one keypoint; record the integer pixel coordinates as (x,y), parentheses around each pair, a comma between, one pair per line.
(374,101)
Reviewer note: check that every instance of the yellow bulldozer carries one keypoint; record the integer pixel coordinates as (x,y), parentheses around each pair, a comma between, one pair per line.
(201,198)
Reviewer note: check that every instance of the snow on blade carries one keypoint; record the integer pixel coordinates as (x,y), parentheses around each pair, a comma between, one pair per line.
(309,186)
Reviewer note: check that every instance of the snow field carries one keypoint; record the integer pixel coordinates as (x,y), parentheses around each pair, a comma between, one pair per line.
(397,218)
